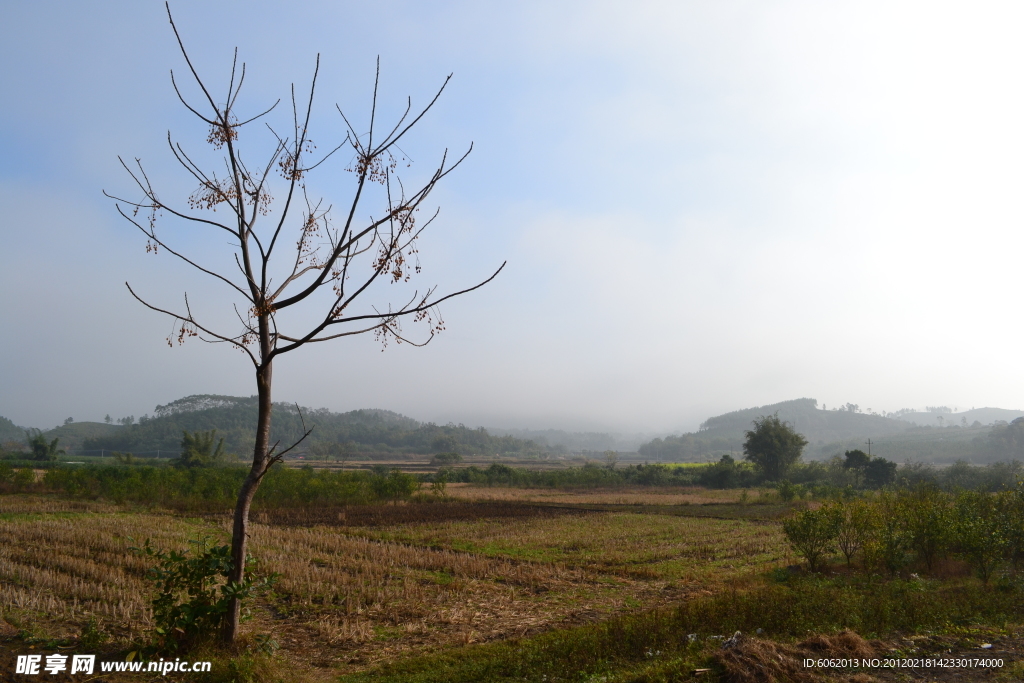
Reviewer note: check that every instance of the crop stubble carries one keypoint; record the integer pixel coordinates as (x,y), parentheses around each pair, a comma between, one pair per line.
(350,596)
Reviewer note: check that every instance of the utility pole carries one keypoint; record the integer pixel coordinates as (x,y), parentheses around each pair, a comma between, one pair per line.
(868,442)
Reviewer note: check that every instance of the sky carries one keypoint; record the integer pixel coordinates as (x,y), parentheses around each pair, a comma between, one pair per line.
(703,206)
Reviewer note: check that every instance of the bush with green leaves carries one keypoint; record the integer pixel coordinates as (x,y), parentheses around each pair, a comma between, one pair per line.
(1011,518)
(915,529)
(929,522)
(889,538)
(978,532)
(812,533)
(396,485)
(24,479)
(193,591)
(853,526)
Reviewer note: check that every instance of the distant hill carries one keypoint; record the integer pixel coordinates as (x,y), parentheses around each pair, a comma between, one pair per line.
(817,426)
(984,416)
(832,432)
(358,431)
(10,431)
(74,434)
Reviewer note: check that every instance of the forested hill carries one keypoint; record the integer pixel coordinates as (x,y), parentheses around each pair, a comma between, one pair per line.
(831,432)
(234,418)
(814,423)
(724,433)
(10,431)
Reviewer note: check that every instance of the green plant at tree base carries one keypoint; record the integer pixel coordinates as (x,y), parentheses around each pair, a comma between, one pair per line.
(92,636)
(194,594)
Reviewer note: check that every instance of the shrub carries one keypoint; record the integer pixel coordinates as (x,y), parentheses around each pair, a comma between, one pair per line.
(1011,517)
(928,518)
(786,490)
(853,526)
(193,592)
(812,533)
(978,532)
(394,486)
(888,538)
(24,478)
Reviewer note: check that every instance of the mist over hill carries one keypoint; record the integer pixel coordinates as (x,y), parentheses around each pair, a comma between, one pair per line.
(943,416)
(10,431)
(938,435)
(957,436)
(358,432)
(559,440)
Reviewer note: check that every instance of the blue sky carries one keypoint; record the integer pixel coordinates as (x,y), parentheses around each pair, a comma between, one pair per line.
(704,205)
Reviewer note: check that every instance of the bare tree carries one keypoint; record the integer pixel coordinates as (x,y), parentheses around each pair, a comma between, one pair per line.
(328,266)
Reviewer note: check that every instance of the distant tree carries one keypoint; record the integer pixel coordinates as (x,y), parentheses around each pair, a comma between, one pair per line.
(446,459)
(856,459)
(288,253)
(197,450)
(611,458)
(773,446)
(124,458)
(396,485)
(108,419)
(41,450)
(875,472)
(325,450)
(879,472)
(69,420)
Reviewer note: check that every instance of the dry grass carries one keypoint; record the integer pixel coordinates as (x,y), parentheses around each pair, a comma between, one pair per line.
(352,597)
(639,495)
(699,551)
(754,660)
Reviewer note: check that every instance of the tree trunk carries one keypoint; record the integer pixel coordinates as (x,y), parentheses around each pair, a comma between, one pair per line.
(240,529)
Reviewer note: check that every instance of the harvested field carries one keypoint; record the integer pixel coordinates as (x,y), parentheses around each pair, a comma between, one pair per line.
(352,596)
(663,547)
(386,515)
